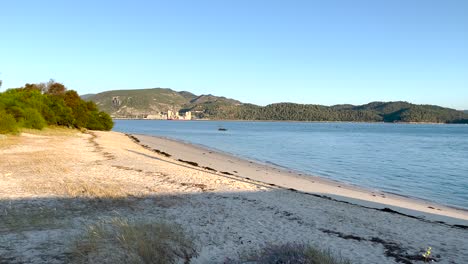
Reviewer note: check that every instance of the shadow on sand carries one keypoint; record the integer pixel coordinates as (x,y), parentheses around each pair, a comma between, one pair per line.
(43,230)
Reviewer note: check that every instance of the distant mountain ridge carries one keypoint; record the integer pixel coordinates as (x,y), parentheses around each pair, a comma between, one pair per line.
(141,103)
(86,96)
(151,103)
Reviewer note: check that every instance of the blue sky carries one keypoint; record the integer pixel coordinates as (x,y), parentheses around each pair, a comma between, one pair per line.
(320,52)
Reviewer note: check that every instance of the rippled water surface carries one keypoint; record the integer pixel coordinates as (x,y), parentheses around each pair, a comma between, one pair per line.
(424,161)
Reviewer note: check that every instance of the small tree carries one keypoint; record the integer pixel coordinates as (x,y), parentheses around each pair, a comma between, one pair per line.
(7,123)
(72,99)
(33,86)
(56,88)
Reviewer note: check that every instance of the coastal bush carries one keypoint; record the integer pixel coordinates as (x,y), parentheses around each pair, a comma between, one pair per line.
(100,121)
(38,105)
(122,241)
(106,120)
(8,123)
(33,119)
(292,253)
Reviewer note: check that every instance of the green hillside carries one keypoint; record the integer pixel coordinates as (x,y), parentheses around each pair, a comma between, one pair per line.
(372,112)
(141,103)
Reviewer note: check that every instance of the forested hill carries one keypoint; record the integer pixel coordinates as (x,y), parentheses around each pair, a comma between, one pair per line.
(372,112)
(145,102)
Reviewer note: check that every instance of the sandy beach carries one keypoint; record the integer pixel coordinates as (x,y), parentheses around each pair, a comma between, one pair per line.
(53,186)
(277,176)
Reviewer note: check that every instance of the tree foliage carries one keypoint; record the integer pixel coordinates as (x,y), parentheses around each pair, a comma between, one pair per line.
(372,112)
(7,123)
(38,105)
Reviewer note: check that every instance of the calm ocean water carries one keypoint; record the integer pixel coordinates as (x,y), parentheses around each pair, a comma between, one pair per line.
(417,160)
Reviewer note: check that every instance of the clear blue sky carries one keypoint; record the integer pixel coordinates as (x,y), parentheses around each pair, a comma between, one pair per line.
(264,51)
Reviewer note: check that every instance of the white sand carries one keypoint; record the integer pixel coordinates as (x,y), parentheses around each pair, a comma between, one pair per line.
(227,214)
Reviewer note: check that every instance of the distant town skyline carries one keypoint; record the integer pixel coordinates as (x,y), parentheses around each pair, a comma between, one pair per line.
(261,52)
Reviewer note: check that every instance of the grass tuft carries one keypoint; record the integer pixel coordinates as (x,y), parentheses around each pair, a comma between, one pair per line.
(121,241)
(292,253)
(82,189)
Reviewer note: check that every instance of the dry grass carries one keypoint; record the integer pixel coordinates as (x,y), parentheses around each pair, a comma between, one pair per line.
(84,189)
(93,194)
(70,187)
(9,140)
(93,190)
(292,253)
(315,255)
(52,131)
(122,241)
(101,196)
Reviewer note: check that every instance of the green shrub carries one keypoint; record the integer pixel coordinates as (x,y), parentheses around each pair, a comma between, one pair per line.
(99,121)
(16,111)
(64,115)
(33,119)
(81,115)
(8,124)
(106,120)
(93,122)
(33,109)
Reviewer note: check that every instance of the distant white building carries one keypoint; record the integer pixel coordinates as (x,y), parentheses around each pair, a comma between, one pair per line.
(176,116)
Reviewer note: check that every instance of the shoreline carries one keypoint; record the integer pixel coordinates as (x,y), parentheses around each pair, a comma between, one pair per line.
(295,121)
(221,162)
(305,175)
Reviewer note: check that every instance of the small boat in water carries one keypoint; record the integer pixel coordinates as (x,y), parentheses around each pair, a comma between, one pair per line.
(222,129)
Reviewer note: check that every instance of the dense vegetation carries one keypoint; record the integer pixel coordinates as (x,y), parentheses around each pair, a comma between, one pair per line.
(144,102)
(38,105)
(372,112)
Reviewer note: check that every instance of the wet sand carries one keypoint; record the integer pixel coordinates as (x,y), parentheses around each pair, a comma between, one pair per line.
(224,163)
